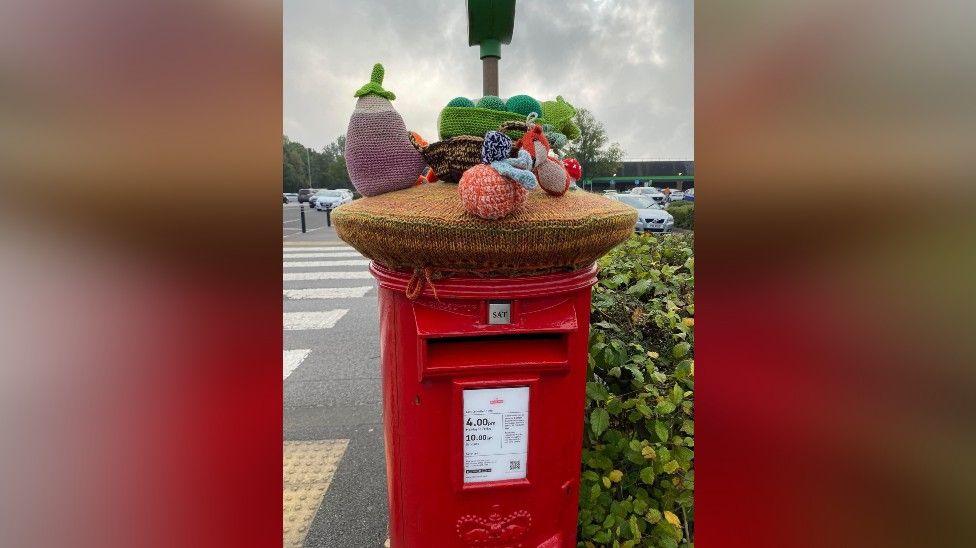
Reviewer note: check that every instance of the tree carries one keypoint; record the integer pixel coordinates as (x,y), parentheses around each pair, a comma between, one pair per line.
(338,176)
(328,167)
(596,157)
(294,170)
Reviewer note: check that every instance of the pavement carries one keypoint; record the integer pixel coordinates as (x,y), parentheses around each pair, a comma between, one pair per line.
(334,464)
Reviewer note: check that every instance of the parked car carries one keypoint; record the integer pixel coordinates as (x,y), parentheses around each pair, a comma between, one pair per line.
(650,216)
(690,195)
(676,195)
(650,192)
(330,199)
(292,196)
(284,199)
(305,193)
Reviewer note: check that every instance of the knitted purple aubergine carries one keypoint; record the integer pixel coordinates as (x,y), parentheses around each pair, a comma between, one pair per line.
(379,156)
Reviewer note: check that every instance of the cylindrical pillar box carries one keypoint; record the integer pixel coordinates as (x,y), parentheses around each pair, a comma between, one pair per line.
(483,396)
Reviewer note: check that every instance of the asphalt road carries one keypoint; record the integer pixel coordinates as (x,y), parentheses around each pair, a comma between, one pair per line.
(332,392)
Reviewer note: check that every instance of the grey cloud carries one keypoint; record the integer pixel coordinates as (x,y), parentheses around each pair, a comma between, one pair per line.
(629,62)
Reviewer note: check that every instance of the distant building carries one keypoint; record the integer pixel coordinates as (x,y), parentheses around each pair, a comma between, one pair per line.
(656,173)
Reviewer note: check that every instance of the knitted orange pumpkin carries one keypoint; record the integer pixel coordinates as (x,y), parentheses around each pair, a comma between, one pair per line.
(488,195)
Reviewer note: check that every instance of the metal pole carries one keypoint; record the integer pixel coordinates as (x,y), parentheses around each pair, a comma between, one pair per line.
(489,76)
(328,217)
(301,209)
(308,163)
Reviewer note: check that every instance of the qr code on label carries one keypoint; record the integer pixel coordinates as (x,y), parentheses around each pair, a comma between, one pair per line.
(514,465)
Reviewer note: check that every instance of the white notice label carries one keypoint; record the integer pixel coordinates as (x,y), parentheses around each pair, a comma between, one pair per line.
(496,433)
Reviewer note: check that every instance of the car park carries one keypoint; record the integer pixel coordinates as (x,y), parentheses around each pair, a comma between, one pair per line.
(650,216)
(330,199)
(650,192)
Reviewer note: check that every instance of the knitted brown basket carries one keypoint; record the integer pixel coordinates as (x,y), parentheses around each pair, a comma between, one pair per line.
(451,157)
(426,228)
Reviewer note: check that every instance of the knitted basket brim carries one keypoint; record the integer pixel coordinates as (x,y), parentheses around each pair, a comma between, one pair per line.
(476,121)
(427,227)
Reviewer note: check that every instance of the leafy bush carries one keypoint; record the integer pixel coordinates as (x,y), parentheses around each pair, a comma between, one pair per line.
(683,213)
(638,474)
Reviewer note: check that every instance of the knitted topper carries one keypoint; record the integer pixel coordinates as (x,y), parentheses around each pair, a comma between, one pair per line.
(379,156)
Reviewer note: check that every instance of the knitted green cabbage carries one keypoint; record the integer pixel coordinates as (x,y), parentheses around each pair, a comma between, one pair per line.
(560,114)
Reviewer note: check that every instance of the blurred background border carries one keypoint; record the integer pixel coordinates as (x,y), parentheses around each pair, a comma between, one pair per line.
(140,169)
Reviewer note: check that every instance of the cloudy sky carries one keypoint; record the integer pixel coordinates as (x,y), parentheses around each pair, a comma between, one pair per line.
(630,62)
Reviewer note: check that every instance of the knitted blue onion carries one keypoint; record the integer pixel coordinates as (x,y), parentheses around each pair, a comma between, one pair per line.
(497,146)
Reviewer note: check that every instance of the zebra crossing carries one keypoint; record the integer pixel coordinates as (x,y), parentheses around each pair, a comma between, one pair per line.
(334,469)
(304,269)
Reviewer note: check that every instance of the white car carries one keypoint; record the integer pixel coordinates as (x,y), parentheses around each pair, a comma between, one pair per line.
(650,216)
(690,195)
(330,199)
(676,195)
(650,192)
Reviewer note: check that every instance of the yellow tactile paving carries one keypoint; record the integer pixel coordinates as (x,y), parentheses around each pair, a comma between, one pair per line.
(308,470)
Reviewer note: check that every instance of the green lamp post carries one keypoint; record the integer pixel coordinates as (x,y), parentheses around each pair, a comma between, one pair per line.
(490,24)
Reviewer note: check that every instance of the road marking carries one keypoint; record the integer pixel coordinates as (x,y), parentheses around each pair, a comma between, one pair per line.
(346,262)
(313,242)
(305,276)
(327,292)
(291,221)
(291,359)
(324,255)
(309,467)
(301,249)
(301,321)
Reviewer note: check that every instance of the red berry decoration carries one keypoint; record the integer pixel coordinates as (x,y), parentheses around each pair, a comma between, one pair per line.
(573,167)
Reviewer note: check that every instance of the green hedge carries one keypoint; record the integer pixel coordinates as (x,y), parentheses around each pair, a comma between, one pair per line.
(638,452)
(683,213)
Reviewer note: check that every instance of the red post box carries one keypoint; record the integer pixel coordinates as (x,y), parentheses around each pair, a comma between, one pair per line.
(484,387)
